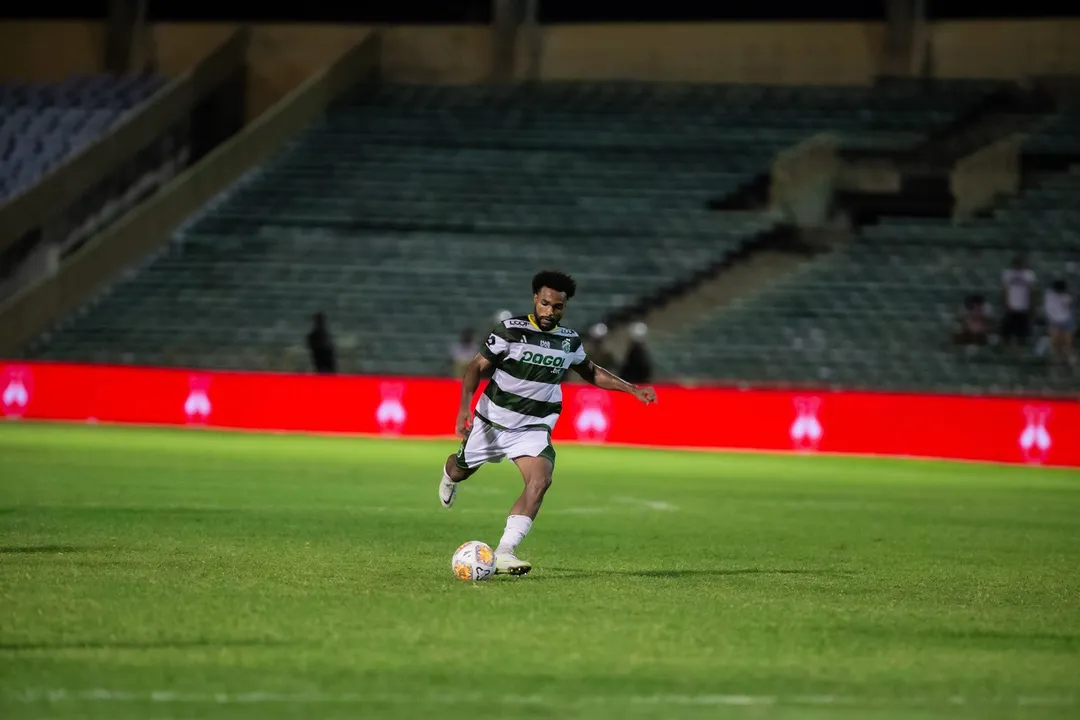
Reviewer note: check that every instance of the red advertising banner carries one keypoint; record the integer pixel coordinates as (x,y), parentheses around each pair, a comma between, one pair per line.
(1010,430)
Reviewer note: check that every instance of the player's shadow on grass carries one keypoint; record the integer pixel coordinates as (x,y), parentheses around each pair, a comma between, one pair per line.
(993,637)
(40,549)
(719,573)
(141,645)
(563,573)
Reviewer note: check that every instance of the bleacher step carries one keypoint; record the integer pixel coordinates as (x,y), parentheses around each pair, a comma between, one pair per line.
(756,269)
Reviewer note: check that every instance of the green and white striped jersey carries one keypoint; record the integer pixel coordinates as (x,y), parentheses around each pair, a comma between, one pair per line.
(530,364)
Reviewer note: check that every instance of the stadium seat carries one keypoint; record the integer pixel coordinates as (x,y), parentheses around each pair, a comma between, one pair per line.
(880,312)
(41,125)
(408,212)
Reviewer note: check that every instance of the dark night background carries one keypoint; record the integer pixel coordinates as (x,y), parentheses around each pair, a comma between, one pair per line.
(479,11)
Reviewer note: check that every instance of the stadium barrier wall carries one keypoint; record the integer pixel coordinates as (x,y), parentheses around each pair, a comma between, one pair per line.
(985,175)
(1006,430)
(803,180)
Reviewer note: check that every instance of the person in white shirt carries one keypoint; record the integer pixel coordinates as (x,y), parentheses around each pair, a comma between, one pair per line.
(1058,308)
(1018,283)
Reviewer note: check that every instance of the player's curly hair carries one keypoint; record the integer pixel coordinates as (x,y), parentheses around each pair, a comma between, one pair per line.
(557,281)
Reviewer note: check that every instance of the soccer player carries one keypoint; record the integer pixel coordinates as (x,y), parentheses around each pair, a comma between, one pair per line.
(527,358)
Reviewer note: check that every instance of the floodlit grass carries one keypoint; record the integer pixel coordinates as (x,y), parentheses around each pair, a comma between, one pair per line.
(156,574)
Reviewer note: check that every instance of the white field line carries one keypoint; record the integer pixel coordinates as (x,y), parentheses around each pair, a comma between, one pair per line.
(257,697)
(658,505)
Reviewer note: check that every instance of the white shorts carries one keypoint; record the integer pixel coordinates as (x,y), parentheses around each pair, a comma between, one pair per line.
(487,444)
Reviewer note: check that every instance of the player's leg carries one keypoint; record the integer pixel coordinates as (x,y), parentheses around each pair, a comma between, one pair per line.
(476,449)
(536,472)
(536,469)
(453,473)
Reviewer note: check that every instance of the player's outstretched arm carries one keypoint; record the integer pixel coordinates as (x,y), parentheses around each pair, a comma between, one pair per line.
(479,367)
(606,380)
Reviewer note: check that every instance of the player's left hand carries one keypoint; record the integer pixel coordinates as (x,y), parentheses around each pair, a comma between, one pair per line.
(645,394)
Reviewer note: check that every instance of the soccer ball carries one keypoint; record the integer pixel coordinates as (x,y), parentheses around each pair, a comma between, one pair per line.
(473,560)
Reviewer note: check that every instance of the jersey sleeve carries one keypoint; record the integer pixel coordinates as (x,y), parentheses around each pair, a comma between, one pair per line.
(496,345)
(579,356)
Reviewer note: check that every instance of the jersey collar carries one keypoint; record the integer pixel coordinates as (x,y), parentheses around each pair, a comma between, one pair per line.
(532,321)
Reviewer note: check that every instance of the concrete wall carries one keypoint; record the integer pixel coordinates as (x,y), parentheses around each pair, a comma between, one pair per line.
(48,51)
(986,174)
(280,57)
(788,53)
(1006,50)
(803,180)
(833,53)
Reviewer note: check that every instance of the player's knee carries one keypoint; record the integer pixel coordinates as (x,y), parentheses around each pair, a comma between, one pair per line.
(540,481)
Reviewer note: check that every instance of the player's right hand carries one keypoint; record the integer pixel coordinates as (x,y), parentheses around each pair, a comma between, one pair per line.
(645,394)
(464,423)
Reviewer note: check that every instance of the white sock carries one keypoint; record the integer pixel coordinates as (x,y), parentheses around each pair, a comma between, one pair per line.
(517,527)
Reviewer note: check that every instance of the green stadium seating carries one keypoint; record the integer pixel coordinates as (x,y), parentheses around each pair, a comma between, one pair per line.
(881,311)
(409,212)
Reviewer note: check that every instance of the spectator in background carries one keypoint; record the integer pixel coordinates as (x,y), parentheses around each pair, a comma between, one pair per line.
(637,366)
(321,346)
(462,352)
(974,322)
(1060,320)
(1018,284)
(596,346)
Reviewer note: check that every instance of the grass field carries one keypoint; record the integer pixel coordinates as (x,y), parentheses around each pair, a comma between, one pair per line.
(170,574)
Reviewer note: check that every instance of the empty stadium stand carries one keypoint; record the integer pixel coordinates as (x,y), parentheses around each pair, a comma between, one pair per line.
(42,124)
(1060,134)
(408,212)
(880,312)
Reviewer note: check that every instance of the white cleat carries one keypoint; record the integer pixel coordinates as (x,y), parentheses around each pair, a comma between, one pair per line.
(447,491)
(506,563)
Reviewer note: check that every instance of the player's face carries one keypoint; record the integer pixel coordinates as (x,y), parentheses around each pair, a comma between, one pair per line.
(548,307)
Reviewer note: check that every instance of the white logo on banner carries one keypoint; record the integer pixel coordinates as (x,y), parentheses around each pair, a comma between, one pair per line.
(391,411)
(18,385)
(1035,439)
(806,431)
(197,406)
(593,419)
